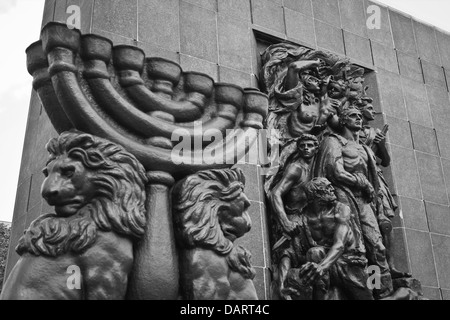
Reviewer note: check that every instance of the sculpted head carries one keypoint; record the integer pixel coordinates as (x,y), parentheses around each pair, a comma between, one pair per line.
(319,190)
(351,118)
(210,210)
(94,184)
(366,107)
(307,145)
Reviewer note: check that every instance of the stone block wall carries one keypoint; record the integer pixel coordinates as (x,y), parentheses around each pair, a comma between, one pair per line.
(408,64)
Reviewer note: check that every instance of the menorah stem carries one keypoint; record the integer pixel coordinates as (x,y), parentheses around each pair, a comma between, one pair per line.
(155,269)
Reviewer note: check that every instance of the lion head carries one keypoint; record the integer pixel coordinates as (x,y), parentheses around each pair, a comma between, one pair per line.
(94,185)
(210,212)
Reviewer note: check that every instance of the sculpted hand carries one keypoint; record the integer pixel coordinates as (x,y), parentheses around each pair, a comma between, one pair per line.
(380,137)
(310,272)
(291,228)
(364,184)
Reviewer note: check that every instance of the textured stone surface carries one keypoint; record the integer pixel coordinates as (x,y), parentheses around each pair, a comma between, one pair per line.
(384,57)
(251,181)
(39,154)
(327,11)
(401,251)
(392,94)
(421,256)
(115,38)
(416,102)
(300,26)
(26,168)
(207,4)
(234,76)
(303,6)
(424,139)
(268,14)
(358,48)
(49,12)
(372,81)
(159,23)
(234,44)
(260,282)
(441,117)
(414,215)
(442,257)
(353,17)
(22,195)
(426,42)
(438,218)
(433,75)
(399,132)
(431,293)
(329,37)
(446,169)
(60,14)
(403,33)
(239,9)
(116,16)
(443,40)
(254,240)
(384,34)
(445,294)
(152,50)
(35,197)
(438,96)
(409,67)
(198,32)
(189,63)
(431,178)
(443,143)
(405,171)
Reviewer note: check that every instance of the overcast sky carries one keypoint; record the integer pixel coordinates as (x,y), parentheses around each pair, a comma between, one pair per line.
(20,22)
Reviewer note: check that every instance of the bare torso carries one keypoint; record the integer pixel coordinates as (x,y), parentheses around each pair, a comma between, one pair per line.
(208,277)
(323,226)
(104,270)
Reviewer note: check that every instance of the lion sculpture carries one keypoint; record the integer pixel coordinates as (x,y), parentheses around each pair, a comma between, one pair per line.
(210,213)
(85,249)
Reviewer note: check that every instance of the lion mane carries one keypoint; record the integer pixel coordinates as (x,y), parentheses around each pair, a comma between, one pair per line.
(118,206)
(198,199)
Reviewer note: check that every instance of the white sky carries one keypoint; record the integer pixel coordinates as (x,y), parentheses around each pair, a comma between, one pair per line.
(20,22)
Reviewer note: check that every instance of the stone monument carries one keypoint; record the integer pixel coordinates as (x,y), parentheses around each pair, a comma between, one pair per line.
(146,119)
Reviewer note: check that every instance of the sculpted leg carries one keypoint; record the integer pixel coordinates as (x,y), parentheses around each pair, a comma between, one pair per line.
(376,251)
(388,239)
(283,269)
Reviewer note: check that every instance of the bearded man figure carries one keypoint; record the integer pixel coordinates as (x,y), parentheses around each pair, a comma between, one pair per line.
(98,191)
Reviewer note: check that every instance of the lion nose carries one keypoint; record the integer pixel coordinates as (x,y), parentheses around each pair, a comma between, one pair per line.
(49,193)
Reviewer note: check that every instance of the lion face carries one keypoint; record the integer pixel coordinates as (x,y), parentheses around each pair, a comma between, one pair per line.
(235,221)
(67,185)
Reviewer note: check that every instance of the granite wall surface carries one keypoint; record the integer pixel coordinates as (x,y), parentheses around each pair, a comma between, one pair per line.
(408,68)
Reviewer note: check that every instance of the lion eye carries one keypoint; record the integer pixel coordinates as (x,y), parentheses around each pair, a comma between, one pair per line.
(67,172)
(45,172)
